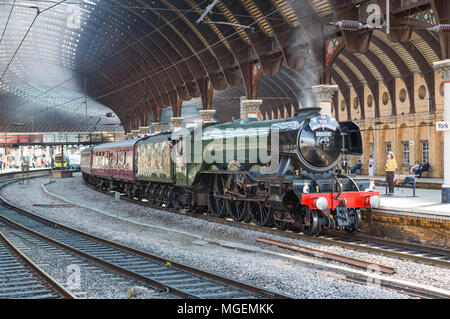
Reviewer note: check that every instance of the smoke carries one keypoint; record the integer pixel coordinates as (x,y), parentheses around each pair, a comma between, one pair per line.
(305,64)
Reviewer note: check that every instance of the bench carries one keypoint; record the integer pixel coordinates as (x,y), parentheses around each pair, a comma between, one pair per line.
(407,181)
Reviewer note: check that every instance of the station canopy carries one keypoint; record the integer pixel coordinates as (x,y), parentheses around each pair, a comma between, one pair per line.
(109,65)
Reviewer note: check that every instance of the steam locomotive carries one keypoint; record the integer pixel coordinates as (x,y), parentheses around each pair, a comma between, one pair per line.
(281,173)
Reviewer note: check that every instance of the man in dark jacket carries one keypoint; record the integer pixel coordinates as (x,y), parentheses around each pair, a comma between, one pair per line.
(425,167)
(356,167)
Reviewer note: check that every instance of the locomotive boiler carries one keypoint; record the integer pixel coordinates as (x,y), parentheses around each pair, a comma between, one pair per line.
(274,173)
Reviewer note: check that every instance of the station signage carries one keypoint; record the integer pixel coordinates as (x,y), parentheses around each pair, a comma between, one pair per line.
(48,138)
(443,126)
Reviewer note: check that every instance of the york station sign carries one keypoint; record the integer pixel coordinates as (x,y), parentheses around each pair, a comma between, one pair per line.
(443,126)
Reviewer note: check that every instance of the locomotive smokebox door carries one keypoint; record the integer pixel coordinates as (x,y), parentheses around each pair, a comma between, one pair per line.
(352,138)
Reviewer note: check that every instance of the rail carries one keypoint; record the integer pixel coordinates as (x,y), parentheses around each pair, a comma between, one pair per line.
(181,280)
(22,278)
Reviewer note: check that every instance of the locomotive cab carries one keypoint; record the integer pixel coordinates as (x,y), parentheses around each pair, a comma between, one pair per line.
(352,138)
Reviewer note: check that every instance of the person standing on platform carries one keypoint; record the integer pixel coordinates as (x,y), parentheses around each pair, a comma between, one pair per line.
(345,164)
(371,166)
(391,166)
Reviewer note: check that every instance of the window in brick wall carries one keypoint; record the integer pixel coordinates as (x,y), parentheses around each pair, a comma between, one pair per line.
(425,151)
(388,147)
(405,153)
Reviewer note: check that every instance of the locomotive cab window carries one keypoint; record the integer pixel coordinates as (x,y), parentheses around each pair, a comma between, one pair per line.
(352,138)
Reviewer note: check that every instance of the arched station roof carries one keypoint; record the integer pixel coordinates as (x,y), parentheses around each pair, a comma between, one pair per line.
(138,57)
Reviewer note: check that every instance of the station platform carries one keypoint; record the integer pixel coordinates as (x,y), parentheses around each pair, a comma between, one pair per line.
(422,182)
(421,219)
(426,202)
(18,170)
(17,173)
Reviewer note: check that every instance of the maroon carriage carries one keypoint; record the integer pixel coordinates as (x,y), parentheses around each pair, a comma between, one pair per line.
(114,160)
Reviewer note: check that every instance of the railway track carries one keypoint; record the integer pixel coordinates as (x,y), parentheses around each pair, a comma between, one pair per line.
(410,251)
(177,279)
(369,276)
(21,278)
(417,252)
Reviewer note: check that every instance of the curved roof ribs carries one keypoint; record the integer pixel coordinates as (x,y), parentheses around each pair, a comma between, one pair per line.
(372,82)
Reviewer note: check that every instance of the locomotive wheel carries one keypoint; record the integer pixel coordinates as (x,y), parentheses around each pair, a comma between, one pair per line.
(330,223)
(128,191)
(237,209)
(280,225)
(153,194)
(174,198)
(216,205)
(310,222)
(136,193)
(356,216)
(158,195)
(170,199)
(166,200)
(262,215)
(149,194)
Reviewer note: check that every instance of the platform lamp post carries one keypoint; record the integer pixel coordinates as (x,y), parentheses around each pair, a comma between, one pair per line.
(51,162)
(444,68)
(22,165)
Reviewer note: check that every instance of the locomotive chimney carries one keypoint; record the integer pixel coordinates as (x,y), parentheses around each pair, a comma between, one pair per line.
(324,95)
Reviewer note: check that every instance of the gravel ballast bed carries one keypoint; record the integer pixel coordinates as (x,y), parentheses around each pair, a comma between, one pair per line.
(285,276)
(96,282)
